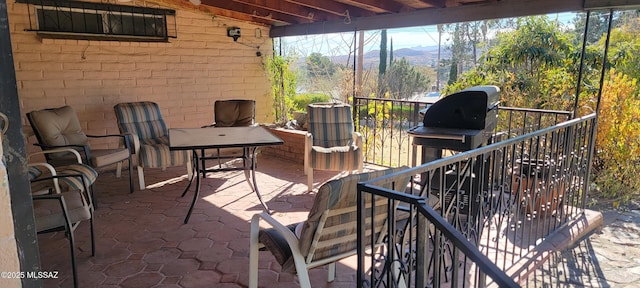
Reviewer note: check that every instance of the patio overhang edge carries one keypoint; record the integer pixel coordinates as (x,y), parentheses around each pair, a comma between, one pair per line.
(495,10)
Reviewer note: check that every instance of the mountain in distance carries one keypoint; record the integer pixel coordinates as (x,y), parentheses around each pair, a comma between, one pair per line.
(417,56)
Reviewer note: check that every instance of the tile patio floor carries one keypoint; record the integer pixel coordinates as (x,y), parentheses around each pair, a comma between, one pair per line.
(141,240)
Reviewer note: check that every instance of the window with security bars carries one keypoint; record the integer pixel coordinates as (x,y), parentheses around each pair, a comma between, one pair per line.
(83,20)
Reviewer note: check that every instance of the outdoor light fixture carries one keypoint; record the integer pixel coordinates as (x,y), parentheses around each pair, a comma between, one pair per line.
(233,32)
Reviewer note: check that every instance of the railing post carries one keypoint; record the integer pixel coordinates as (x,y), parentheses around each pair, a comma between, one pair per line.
(422,249)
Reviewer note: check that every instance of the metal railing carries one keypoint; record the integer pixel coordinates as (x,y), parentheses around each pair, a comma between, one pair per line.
(384,124)
(472,219)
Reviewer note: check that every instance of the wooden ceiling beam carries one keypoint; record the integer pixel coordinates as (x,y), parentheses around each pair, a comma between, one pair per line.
(415,4)
(335,8)
(609,4)
(435,3)
(377,6)
(434,16)
(256,12)
(289,9)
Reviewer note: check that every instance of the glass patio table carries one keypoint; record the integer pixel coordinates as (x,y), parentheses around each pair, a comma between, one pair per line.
(247,138)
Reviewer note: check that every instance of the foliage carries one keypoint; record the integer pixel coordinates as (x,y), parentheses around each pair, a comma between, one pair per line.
(617,158)
(403,80)
(301,101)
(283,86)
(319,65)
(532,65)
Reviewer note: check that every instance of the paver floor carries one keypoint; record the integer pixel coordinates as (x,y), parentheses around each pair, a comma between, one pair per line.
(142,241)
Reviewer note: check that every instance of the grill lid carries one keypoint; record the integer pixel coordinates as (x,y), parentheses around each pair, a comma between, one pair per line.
(466,109)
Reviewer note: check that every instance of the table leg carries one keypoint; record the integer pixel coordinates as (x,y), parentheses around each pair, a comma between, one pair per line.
(253,182)
(193,167)
(196,172)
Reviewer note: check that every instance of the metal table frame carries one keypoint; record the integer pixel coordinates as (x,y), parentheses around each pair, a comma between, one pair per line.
(248,138)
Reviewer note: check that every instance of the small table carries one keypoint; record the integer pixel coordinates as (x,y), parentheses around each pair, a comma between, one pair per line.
(248,138)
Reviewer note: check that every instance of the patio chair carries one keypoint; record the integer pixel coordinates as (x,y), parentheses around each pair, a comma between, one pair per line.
(151,140)
(331,143)
(229,113)
(61,210)
(328,235)
(60,128)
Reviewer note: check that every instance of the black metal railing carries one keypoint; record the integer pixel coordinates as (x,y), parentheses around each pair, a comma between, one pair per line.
(472,218)
(384,124)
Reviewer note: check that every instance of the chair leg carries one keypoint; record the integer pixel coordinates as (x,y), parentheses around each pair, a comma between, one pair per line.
(331,269)
(253,252)
(72,246)
(93,237)
(91,192)
(310,179)
(141,178)
(130,176)
(118,169)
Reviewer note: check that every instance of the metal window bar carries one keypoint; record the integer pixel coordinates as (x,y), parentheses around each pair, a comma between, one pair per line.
(102,21)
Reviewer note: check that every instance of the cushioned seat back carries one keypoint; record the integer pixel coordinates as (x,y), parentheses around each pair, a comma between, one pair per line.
(141,118)
(57,127)
(234,113)
(330,229)
(330,124)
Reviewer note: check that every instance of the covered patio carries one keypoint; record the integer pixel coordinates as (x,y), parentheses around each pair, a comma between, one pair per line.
(141,239)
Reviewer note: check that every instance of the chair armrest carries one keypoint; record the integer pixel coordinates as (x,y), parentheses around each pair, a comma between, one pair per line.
(127,139)
(357,138)
(134,142)
(52,170)
(57,150)
(86,198)
(288,235)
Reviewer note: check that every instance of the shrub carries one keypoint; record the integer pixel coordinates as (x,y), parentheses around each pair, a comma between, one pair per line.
(300,101)
(617,155)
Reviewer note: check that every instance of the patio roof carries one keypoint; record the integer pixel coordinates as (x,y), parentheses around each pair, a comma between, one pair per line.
(304,17)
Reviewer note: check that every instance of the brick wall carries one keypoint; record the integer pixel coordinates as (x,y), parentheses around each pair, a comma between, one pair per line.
(293,148)
(184,76)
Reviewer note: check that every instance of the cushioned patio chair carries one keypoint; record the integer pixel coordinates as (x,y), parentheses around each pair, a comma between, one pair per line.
(229,113)
(56,209)
(328,235)
(40,170)
(60,128)
(151,137)
(331,143)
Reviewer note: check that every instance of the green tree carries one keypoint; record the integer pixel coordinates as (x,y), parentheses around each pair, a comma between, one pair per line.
(404,80)
(382,66)
(319,65)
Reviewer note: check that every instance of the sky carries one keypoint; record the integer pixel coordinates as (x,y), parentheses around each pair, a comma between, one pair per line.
(411,37)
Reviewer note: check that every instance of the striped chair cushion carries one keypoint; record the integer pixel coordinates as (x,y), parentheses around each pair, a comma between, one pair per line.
(74,183)
(330,124)
(335,158)
(155,153)
(341,194)
(141,118)
(145,120)
(39,187)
